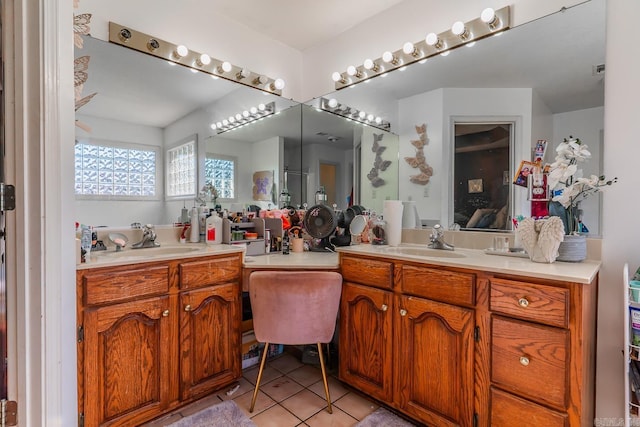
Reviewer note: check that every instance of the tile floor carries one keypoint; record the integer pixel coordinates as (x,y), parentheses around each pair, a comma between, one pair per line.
(291,394)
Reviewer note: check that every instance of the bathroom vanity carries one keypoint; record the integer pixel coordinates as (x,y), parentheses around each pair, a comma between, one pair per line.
(476,340)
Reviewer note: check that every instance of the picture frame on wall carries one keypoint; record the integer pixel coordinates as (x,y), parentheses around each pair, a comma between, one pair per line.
(475,185)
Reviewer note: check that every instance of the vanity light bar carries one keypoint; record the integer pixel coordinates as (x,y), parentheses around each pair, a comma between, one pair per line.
(244,118)
(180,54)
(460,34)
(332,106)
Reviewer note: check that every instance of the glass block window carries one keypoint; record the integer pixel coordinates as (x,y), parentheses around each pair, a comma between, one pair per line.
(182,170)
(221,172)
(115,172)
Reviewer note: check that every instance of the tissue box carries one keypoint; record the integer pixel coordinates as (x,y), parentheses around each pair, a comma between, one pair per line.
(252,350)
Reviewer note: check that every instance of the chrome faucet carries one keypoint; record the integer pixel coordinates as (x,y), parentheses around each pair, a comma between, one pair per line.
(148,238)
(437,239)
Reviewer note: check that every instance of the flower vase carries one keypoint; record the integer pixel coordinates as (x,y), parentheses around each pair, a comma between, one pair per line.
(573,248)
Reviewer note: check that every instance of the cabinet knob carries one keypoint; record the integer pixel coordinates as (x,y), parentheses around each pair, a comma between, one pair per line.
(403,312)
(524,360)
(165,313)
(187,307)
(384,307)
(523,302)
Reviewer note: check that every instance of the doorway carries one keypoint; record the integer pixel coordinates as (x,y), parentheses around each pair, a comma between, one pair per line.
(328,180)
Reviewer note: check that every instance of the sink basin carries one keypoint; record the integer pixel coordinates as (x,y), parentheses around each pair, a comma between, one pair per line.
(150,252)
(425,252)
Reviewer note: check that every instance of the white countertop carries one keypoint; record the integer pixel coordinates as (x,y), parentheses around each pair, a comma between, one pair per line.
(295,260)
(580,272)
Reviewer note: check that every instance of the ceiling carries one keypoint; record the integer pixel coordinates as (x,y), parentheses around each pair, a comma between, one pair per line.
(300,24)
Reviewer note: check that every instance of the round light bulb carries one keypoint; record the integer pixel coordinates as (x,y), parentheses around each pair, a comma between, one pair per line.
(225,122)
(245,114)
(408,48)
(333,103)
(205,59)
(219,124)
(213,126)
(238,116)
(231,119)
(181,51)
(488,15)
(457,28)
(226,66)
(253,110)
(370,117)
(336,76)
(369,64)
(431,39)
(378,120)
(279,84)
(351,70)
(362,114)
(387,56)
(261,107)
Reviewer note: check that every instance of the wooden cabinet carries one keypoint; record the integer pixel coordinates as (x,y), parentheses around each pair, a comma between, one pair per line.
(413,353)
(154,336)
(460,347)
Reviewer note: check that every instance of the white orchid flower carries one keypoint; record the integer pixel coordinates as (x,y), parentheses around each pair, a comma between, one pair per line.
(581,152)
(560,173)
(592,181)
(567,195)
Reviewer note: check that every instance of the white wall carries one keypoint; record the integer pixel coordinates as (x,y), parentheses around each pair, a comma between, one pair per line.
(590,125)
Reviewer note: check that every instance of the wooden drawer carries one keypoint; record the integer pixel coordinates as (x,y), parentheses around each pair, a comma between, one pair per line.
(540,303)
(114,285)
(439,285)
(367,271)
(210,271)
(508,410)
(531,360)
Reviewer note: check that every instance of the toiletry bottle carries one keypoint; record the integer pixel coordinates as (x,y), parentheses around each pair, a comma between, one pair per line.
(202,217)
(285,243)
(213,229)
(194,236)
(85,244)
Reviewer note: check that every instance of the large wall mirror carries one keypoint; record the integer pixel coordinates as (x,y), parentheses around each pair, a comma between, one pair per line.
(148,114)
(542,78)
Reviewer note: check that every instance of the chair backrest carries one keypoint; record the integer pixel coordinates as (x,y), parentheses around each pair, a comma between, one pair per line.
(294,307)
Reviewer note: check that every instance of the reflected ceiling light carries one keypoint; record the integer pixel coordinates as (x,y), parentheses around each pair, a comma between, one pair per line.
(245,117)
(193,70)
(213,126)
(243,74)
(338,77)
(362,114)
(432,39)
(370,117)
(470,44)
(410,49)
(445,53)
(333,106)
(203,60)
(354,72)
(225,67)
(180,52)
(333,103)
(422,61)
(458,28)
(214,77)
(489,17)
(390,58)
(369,64)
(378,120)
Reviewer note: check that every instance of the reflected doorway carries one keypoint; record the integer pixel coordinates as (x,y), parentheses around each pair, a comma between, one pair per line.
(328,180)
(482,175)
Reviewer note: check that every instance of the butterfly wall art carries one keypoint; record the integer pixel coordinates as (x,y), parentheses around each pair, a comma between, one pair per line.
(81,64)
(379,165)
(420,161)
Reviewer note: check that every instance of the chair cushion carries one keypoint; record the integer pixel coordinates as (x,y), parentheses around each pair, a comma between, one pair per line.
(294,307)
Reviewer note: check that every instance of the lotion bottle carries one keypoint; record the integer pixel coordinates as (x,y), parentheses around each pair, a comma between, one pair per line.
(194,237)
(213,230)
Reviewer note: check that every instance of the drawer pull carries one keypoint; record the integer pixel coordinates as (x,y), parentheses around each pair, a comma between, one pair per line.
(523,302)
(524,360)
(403,312)
(187,307)
(165,313)
(384,307)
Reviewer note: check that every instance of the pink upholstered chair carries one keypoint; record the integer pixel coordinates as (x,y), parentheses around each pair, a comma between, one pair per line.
(294,308)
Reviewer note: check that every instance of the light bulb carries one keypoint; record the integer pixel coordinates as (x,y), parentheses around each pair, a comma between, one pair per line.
(218,124)
(225,67)
(333,103)
(378,120)
(351,70)
(369,64)
(261,107)
(408,48)
(225,122)
(246,114)
(213,126)
(457,28)
(181,51)
(253,110)
(203,60)
(362,114)
(243,74)
(370,117)
(432,39)
(231,119)
(388,57)
(260,80)
(336,76)
(488,16)
(279,84)
(238,117)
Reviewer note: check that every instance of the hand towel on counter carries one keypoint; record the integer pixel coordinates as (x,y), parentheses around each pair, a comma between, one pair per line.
(392,215)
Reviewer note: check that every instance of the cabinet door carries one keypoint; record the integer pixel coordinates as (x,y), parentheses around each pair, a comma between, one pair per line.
(127,361)
(365,340)
(210,339)
(434,361)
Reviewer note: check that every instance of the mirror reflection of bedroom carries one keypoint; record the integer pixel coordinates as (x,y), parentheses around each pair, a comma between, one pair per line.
(482,177)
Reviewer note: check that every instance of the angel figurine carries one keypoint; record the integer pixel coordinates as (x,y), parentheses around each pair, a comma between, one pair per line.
(541,238)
